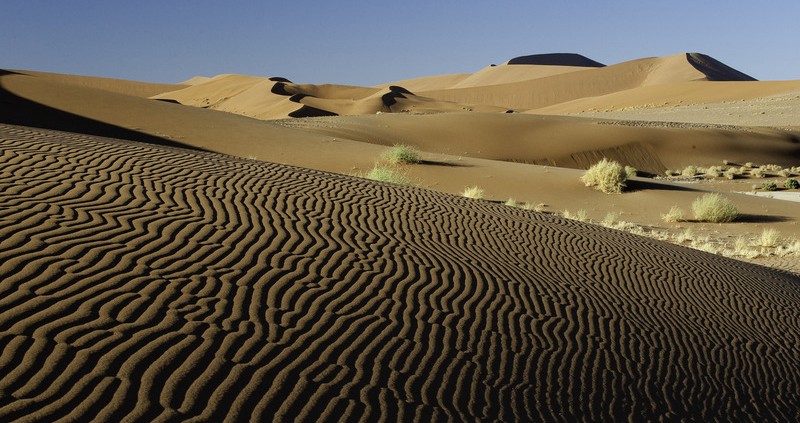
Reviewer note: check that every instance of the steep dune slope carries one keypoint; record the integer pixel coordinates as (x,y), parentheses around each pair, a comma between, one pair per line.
(158,284)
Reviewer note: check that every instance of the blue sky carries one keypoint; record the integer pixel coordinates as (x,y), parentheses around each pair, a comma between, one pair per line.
(367,43)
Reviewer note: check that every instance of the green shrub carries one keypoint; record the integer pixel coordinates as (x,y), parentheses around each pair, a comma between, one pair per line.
(606,175)
(791,184)
(769,186)
(388,174)
(714,208)
(402,154)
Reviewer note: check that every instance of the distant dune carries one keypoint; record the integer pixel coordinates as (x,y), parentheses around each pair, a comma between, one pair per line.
(120,86)
(556,59)
(150,283)
(544,83)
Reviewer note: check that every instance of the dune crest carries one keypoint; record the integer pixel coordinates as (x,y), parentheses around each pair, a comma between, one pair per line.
(556,81)
(556,59)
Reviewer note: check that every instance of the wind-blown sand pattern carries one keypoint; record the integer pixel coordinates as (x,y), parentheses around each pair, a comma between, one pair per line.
(144,283)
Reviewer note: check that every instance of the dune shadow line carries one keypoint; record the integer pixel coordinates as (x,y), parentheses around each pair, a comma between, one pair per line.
(16,110)
(639,185)
(760,218)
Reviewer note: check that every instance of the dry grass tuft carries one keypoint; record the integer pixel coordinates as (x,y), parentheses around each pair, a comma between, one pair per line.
(607,176)
(675,214)
(388,174)
(770,238)
(402,154)
(473,192)
(714,208)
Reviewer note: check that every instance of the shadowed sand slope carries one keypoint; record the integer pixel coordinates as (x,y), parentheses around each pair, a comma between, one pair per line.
(556,59)
(155,284)
(121,86)
(560,141)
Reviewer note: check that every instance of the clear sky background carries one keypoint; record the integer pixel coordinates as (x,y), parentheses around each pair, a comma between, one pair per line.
(367,43)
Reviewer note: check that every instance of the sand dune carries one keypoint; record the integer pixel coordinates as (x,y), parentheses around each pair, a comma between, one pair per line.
(147,282)
(494,151)
(556,59)
(561,141)
(547,83)
(268,98)
(121,86)
(323,297)
(592,82)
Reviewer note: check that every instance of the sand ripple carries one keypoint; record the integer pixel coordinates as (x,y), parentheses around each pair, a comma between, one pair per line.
(140,283)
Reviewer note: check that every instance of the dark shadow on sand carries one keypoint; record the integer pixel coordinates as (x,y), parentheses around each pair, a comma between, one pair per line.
(750,218)
(760,218)
(15,110)
(640,185)
(444,164)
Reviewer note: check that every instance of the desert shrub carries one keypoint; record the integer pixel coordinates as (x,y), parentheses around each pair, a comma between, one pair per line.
(731,173)
(758,173)
(675,214)
(771,168)
(769,186)
(388,174)
(689,171)
(580,215)
(668,172)
(610,219)
(606,175)
(740,247)
(538,207)
(402,154)
(714,171)
(749,165)
(631,171)
(785,173)
(726,162)
(714,208)
(473,192)
(791,184)
(769,238)
(512,202)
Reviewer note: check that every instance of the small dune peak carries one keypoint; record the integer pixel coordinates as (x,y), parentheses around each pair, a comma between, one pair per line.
(556,59)
(716,70)
(279,88)
(389,99)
